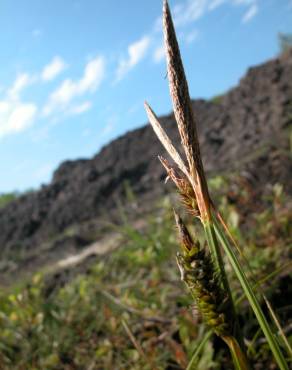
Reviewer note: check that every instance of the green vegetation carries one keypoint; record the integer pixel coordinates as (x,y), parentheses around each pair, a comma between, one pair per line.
(217,99)
(7,198)
(84,323)
(285,41)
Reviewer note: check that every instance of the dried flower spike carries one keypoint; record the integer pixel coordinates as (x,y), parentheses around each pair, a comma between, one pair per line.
(183,113)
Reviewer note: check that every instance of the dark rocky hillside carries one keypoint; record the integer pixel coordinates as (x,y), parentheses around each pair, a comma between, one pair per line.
(246,129)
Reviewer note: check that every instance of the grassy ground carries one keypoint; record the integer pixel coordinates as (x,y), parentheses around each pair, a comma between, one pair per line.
(131,311)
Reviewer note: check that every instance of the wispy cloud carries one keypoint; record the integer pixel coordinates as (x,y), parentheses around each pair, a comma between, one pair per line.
(158,54)
(215,3)
(69,89)
(110,125)
(136,52)
(108,128)
(16,115)
(157,27)
(251,12)
(191,36)
(20,83)
(53,69)
(189,11)
(243,2)
(80,108)
(185,13)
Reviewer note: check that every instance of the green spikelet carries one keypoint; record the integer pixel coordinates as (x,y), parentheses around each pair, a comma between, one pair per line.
(198,273)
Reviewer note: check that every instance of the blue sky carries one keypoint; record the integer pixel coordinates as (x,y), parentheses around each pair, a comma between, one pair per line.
(74,73)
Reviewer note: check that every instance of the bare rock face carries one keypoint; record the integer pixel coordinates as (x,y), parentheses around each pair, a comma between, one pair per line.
(246,130)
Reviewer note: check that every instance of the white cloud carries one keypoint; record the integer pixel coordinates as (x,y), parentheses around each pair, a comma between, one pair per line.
(251,12)
(20,83)
(80,108)
(215,3)
(68,90)
(16,116)
(54,68)
(158,54)
(136,52)
(93,75)
(157,27)
(244,2)
(189,12)
(191,36)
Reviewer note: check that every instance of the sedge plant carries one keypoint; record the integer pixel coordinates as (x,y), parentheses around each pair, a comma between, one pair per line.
(202,267)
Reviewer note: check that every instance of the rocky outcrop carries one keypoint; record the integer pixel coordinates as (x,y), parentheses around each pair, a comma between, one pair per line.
(245,129)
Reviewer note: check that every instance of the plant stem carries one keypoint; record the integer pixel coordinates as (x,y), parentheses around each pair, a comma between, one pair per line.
(239,358)
(218,260)
(252,299)
(216,256)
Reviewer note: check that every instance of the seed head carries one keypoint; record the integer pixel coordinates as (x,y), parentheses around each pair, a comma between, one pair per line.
(198,272)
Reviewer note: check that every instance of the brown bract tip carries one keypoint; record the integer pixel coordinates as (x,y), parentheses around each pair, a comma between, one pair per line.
(164,139)
(186,239)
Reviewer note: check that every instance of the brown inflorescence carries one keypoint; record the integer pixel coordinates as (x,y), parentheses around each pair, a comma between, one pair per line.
(185,189)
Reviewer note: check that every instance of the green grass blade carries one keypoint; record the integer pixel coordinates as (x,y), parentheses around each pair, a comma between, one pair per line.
(239,359)
(252,299)
(218,260)
(264,279)
(258,284)
(270,308)
(216,256)
(198,350)
(279,327)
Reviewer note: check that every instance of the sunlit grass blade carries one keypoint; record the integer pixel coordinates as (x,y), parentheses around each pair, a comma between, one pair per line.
(270,308)
(238,357)
(264,279)
(198,350)
(218,261)
(279,327)
(274,346)
(256,283)
(216,256)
